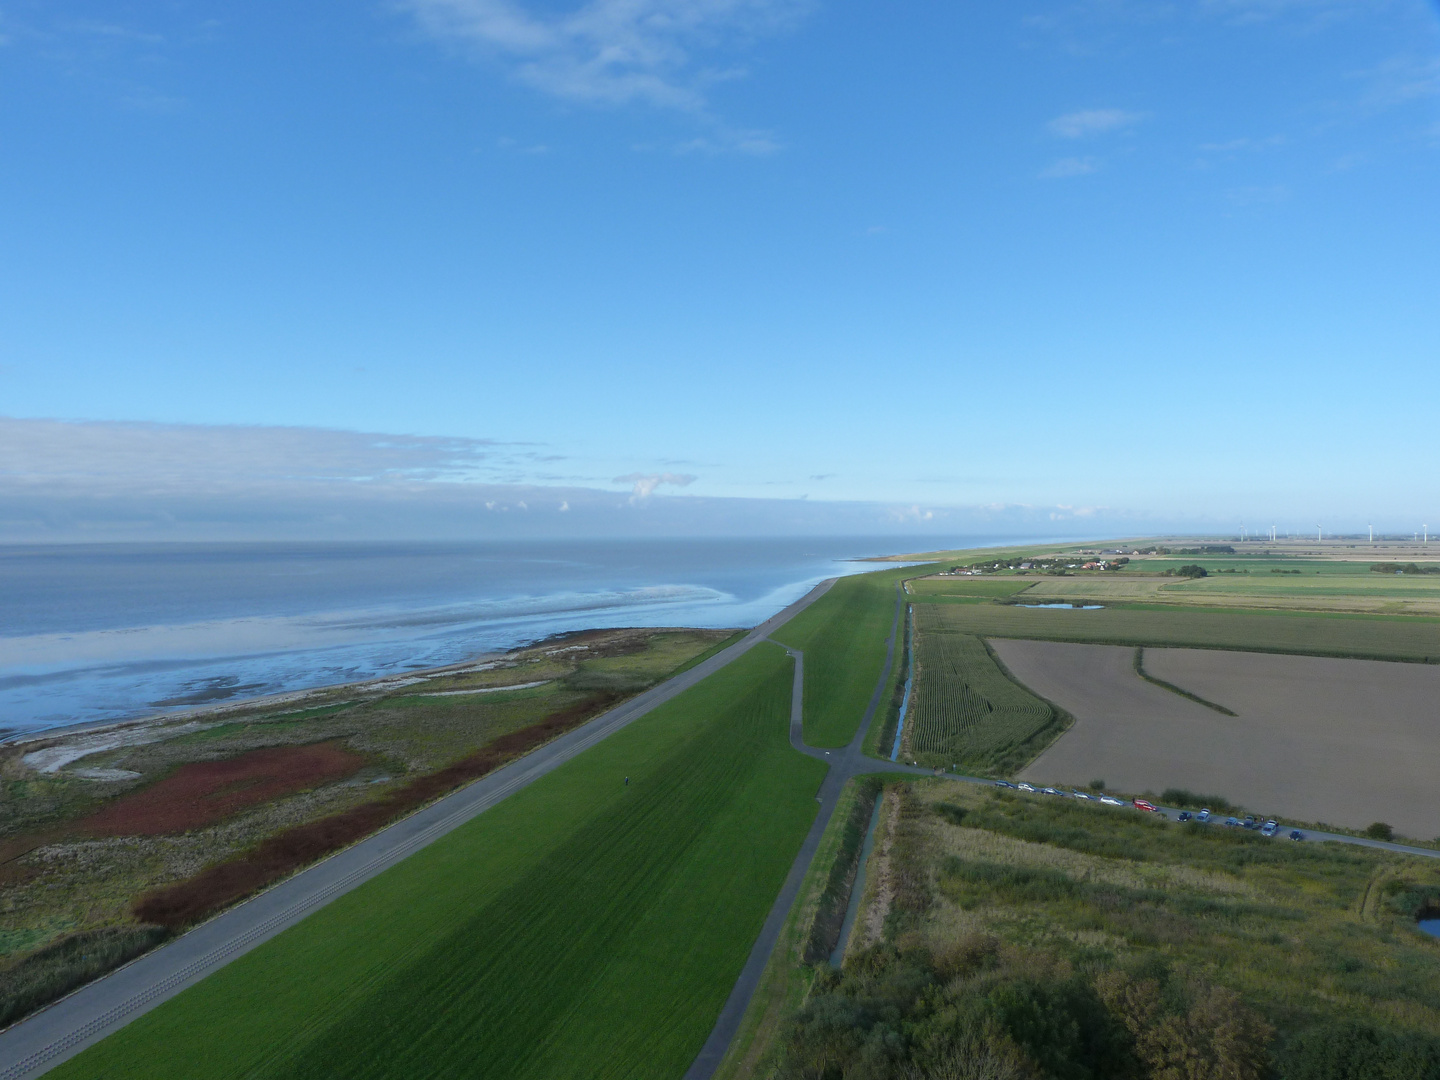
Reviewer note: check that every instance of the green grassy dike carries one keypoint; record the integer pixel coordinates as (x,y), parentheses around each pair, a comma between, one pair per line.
(843,637)
(581,928)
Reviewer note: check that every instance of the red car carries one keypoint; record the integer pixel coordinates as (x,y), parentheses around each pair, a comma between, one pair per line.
(1141,804)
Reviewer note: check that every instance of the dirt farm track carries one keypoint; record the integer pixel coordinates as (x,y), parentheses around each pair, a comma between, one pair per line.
(1346,742)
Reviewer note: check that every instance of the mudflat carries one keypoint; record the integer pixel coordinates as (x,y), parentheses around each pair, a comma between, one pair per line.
(1347,742)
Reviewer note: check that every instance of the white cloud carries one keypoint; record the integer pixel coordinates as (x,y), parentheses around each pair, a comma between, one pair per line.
(609,51)
(646,483)
(1070,166)
(187,457)
(1087,122)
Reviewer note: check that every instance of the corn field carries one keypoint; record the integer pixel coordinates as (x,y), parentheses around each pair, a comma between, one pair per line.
(966,711)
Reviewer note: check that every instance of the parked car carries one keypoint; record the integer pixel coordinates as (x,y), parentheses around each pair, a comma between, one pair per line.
(1083,795)
(1250,822)
(1268,829)
(1185,815)
(1296,834)
(1141,804)
(1050,791)
(1110,800)
(1004,783)
(1204,815)
(1025,787)
(1232,821)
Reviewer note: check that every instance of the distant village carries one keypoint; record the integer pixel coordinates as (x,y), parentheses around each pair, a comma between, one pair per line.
(1055,564)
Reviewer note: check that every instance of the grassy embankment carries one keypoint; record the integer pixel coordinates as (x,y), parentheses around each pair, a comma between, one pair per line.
(581,928)
(76,854)
(843,637)
(1061,941)
(810,931)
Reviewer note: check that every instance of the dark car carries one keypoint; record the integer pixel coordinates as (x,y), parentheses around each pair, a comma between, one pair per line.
(1296,834)
(1185,815)
(1232,821)
(1250,822)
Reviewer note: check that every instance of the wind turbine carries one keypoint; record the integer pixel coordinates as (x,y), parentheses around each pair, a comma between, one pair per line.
(1319,534)
(1372,534)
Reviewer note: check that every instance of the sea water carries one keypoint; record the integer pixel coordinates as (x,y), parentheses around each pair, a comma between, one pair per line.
(111,631)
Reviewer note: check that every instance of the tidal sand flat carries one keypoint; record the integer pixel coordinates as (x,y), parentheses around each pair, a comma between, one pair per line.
(1348,742)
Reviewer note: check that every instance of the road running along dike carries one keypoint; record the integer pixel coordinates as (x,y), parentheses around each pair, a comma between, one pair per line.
(58,1032)
(844,766)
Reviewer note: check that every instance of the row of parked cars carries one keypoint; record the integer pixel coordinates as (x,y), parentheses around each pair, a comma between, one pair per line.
(1267,828)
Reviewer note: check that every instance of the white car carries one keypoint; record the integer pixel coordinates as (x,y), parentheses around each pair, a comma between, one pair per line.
(1082,795)
(1110,800)
(1025,787)
(1203,815)
(1051,791)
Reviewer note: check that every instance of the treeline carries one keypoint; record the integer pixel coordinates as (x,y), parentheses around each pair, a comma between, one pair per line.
(1404,568)
(1189,570)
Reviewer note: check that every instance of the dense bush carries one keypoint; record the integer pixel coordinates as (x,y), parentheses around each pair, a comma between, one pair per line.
(1379,831)
(979,1010)
(1192,570)
(1356,1051)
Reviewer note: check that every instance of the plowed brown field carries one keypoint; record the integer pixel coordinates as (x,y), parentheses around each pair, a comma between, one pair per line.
(203,792)
(1315,739)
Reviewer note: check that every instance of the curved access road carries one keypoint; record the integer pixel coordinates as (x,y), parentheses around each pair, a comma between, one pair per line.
(45,1039)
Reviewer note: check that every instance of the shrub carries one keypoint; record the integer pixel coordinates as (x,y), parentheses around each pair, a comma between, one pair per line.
(1192,570)
(1182,797)
(52,972)
(1357,1051)
(1380,831)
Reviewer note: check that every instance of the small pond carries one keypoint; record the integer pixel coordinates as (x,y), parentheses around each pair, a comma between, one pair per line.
(1076,607)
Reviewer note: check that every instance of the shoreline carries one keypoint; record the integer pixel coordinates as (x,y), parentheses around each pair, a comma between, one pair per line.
(180,721)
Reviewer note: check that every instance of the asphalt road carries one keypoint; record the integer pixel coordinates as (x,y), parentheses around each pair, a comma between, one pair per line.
(45,1039)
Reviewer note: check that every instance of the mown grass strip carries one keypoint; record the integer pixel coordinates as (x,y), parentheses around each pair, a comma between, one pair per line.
(582,928)
(843,636)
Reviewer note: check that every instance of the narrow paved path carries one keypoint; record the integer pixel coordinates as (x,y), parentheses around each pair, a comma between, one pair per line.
(45,1039)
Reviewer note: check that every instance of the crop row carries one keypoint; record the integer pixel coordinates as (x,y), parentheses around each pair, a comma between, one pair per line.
(968,712)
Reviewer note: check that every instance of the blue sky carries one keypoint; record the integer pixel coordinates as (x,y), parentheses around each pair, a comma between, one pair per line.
(1151,263)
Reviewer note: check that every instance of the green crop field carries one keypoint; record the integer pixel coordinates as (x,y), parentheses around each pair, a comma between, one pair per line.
(965,710)
(581,928)
(935,587)
(843,637)
(1401,637)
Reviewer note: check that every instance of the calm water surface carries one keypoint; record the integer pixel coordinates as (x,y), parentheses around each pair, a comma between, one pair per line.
(103,632)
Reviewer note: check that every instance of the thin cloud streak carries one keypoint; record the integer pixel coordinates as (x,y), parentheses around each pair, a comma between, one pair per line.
(610,51)
(1088,122)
